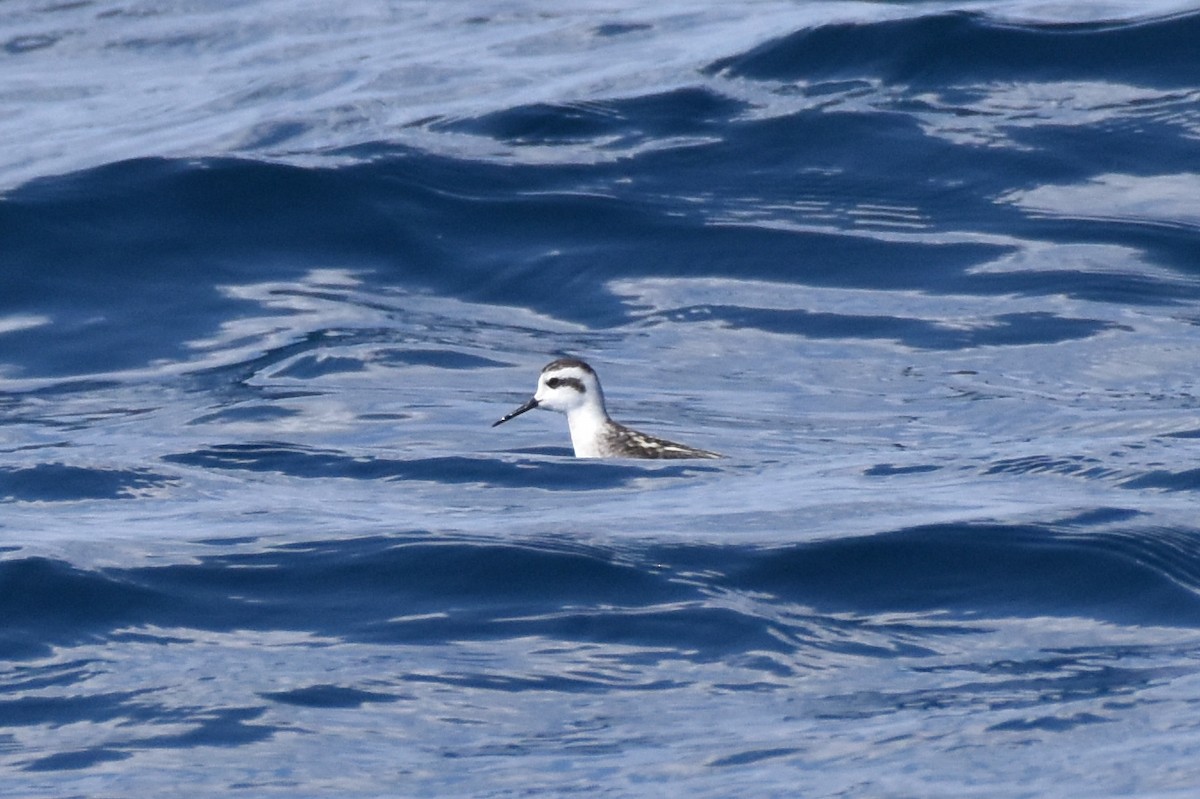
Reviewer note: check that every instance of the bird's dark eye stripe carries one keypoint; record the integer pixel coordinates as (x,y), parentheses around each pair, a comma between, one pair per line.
(568,382)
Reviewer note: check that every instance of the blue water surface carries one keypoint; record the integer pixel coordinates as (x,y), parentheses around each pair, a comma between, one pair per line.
(927,274)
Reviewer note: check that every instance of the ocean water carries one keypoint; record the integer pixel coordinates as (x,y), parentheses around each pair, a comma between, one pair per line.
(928,274)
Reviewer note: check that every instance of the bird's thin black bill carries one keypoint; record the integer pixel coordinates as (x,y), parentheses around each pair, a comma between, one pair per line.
(529,406)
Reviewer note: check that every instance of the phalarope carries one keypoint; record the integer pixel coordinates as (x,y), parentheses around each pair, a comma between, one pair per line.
(570,386)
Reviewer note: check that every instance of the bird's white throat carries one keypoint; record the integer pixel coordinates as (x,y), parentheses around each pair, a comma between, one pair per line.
(588,425)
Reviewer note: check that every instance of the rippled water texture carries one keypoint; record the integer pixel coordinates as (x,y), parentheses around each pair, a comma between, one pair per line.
(926,274)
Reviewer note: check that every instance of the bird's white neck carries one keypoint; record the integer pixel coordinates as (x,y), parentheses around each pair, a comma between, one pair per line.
(588,423)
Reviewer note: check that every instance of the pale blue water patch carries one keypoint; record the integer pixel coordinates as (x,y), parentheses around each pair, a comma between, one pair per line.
(925,274)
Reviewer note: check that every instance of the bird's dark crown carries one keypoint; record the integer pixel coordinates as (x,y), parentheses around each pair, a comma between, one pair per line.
(565,363)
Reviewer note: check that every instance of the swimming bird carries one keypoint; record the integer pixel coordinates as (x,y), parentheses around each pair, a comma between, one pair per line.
(570,386)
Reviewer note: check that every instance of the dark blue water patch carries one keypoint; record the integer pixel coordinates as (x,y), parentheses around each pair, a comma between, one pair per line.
(1183,434)
(1068,465)
(730,604)
(1011,686)
(78,759)
(133,711)
(21,679)
(134,637)
(299,461)
(751,756)
(1020,329)
(385,591)
(57,482)
(1049,723)
(513,683)
(841,158)
(328,696)
(309,367)
(367,582)
(985,570)
(220,727)
(939,50)
(698,632)
(621,28)
(273,135)
(232,379)
(46,602)
(1123,137)
(1166,480)
(442,359)
(547,452)
(1095,517)
(59,605)
(1011,329)
(247,413)
(29,711)
(313,355)
(891,470)
(18,45)
(228,726)
(227,541)
(681,112)
(63,388)
(602,227)
(127,260)
(367,589)
(418,590)
(93,251)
